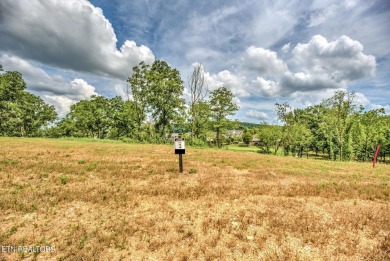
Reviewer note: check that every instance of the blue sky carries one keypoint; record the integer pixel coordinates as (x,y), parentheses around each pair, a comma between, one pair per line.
(263,51)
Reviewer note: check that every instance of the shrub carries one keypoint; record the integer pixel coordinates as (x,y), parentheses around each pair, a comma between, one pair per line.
(64,179)
(198,143)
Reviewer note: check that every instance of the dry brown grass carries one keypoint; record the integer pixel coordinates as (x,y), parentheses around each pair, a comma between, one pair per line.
(115,201)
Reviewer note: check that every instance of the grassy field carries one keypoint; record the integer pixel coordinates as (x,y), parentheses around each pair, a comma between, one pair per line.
(242,148)
(117,201)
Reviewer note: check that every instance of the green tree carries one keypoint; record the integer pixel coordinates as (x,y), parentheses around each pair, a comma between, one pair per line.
(92,117)
(164,96)
(372,130)
(297,136)
(35,114)
(202,123)
(339,119)
(301,137)
(285,115)
(21,113)
(65,127)
(140,91)
(313,115)
(124,119)
(81,113)
(221,106)
(247,136)
(386,143)
(270,136)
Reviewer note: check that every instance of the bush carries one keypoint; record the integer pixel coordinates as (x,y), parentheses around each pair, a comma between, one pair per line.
(198,143)
(247,138)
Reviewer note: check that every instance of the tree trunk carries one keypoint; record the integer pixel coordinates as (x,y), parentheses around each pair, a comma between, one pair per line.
(276,149)
(365,150)
(218,143)
(139,132)
(192,123)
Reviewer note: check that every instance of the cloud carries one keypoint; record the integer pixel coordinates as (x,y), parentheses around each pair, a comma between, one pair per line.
(237,101)
(82,89)
(293,82)
(71,34)
(265,87)
(78,90)
(341,60)
(319,64)
(285,48)
(258,115)
(211,32)
(242,45)
(54,89)
(377,106)
(361,99)
(121,90)
(264,62)
(229,80)
(303,99)
(61,103)
(364,20)
(319,17)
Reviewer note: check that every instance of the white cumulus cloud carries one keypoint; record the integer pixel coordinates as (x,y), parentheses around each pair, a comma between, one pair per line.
(70,34)
(61,103)
(340,60)
(264,62)
(258,115)
(319,65)
(285,48)
(231,81)
(265,87)
(81,89)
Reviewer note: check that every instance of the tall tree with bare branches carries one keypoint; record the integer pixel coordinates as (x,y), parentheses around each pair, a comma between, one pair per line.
(198,90)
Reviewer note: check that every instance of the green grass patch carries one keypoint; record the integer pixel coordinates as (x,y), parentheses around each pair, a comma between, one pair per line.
(9,162)
(242,148)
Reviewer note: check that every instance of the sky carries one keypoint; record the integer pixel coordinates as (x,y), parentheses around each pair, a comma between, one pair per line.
(265,52)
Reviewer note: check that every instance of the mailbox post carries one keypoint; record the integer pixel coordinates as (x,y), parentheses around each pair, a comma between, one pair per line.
(180,149)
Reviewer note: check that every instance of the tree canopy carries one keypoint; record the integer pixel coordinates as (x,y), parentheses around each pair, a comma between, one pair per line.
(221,106)
(21,113)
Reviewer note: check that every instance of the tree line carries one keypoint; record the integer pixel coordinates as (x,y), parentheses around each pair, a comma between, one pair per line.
(337,127)
(154,109)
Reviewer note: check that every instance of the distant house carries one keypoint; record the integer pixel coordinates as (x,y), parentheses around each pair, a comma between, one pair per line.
(255,141)
(234,133)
